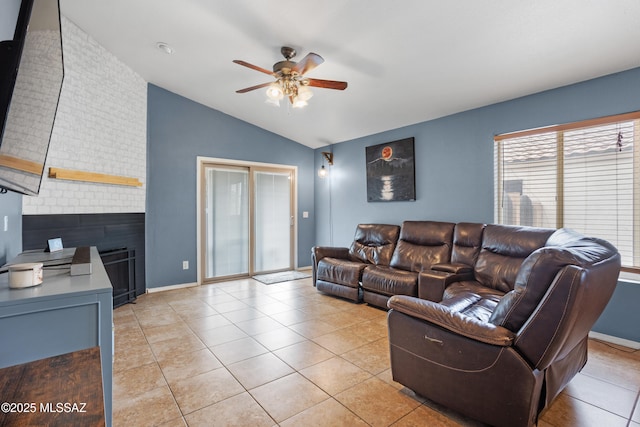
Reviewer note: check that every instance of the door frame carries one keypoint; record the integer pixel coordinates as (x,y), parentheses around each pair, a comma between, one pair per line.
(201,161)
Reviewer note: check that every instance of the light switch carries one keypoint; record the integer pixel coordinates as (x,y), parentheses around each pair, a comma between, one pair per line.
(305,214)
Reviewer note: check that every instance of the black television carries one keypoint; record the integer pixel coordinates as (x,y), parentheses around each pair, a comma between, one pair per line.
(31,74)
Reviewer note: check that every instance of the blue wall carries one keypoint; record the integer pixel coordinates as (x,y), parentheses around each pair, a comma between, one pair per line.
(454,156)
(454,169)
(9,10)
(621,318)
(10,240)
(178,131)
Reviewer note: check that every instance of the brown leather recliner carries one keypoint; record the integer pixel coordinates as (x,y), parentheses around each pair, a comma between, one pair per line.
(421,244)
(508,336)
(338,271)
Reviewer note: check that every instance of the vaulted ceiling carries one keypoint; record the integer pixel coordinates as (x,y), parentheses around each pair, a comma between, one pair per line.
(405,61)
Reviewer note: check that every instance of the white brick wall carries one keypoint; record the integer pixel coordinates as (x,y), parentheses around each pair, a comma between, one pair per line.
(33,106)
(101,126)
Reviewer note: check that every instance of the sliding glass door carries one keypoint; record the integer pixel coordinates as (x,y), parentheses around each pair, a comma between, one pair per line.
(273,225)
(248,220)
(226,221)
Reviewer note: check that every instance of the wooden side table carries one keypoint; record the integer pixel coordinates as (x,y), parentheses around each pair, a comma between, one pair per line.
(63,390)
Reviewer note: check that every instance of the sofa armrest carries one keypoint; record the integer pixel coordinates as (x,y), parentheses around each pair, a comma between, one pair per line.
(453,267)
(432,283)
(452,321)
(319,252)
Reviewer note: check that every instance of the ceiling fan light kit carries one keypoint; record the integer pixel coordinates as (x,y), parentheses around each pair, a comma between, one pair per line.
(290,80)
(275,92)
(304,93)
(298,103)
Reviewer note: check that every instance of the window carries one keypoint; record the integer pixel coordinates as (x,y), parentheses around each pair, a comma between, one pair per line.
(584,176)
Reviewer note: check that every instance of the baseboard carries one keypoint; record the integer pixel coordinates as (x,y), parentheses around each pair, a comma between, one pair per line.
(191,285)
(615,340)
(171,287)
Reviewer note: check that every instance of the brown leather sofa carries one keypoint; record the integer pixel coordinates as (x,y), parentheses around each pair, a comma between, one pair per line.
(504,339)
(338,271)
(420,245)
(386,260)
(491,321)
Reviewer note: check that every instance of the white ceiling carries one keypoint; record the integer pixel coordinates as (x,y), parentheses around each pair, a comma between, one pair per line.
(405,61)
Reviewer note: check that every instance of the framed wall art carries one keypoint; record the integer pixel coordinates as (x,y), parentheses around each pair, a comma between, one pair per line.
(391,171)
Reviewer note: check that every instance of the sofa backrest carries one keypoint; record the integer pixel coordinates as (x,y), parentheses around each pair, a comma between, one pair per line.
(374,243)
(467,240)
(504,248)
(422,244)
(560,292)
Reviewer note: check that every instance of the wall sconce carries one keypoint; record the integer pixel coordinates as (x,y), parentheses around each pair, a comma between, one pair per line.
(322,172)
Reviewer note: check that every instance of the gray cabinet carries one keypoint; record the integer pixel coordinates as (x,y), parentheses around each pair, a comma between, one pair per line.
(64,314)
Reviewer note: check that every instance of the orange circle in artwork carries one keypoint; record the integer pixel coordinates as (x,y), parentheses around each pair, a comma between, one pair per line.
(387,152)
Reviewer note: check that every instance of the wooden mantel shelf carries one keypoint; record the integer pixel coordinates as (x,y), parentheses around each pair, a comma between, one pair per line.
(74,175)
(21,164)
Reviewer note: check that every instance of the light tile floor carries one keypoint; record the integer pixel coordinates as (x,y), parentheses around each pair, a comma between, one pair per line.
(242,353)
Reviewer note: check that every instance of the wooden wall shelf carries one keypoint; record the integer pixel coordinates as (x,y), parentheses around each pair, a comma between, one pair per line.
(74,175)
(21,164)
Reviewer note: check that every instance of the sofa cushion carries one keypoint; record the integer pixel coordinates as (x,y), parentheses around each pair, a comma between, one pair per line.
(472,299)
(504,248)
(422,244)
(467,240)
(374,243)
(340,271)
(389,281)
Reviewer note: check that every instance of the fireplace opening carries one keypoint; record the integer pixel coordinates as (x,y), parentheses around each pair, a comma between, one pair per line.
(120,264)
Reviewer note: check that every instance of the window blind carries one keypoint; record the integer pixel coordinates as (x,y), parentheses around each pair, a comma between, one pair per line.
(585,177)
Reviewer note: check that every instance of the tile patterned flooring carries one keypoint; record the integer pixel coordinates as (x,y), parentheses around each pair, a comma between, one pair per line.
(242,353)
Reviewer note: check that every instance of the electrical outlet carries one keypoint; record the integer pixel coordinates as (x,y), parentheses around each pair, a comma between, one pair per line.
(6,223)
(185,265)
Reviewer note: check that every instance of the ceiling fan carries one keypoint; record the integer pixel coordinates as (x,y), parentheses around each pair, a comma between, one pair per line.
(290,78)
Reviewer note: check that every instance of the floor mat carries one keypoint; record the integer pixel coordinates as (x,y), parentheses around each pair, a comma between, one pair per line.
(283,276)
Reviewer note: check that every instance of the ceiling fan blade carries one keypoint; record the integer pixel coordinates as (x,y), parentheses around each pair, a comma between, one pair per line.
(327,84)
(253,67)
(249,89)
(308,63)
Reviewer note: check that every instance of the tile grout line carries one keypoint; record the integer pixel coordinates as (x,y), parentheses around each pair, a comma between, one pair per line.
(297,300)
(330,396)
(635,407)
(224,365)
